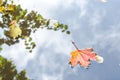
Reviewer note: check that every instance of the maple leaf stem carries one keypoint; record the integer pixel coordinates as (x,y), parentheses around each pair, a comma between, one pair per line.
(74,45)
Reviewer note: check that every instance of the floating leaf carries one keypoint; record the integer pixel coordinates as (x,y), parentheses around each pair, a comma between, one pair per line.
(10,7)
(14,31)
(28,47)
(1,1)
(30,39)
(53,23)
(83,57)
(0,48)
(1,78)
(68,32)
(66,27)
(2,8)
(7,9)
(8,71)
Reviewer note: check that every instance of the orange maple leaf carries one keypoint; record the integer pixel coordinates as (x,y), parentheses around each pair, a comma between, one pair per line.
(83,57)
